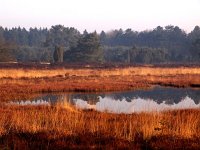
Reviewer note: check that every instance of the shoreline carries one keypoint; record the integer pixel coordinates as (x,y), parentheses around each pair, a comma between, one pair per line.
(17,83)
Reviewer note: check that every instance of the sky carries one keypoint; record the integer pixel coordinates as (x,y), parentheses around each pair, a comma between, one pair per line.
(100,15)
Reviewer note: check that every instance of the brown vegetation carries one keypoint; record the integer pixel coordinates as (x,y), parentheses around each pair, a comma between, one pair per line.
(63,126)
(96,72)
(21,81)
(48,127)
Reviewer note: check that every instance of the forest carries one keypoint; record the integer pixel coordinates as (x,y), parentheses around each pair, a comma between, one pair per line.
(168,44)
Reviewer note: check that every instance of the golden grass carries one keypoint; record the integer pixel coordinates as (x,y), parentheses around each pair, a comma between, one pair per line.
(58,121)
(129,71)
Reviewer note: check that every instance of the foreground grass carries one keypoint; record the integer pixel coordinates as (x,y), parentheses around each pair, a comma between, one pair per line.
(47,127)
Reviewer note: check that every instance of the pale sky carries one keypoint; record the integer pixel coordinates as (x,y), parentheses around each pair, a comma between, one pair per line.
(100,15)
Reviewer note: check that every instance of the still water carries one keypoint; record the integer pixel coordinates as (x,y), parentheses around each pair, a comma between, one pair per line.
(155,99)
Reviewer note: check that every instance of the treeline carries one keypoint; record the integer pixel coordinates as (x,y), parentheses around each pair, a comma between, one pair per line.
(160,45)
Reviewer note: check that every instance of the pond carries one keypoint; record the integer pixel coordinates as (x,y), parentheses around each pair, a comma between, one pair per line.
(155,99)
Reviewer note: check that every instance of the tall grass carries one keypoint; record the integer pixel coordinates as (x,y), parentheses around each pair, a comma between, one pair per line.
(65,121)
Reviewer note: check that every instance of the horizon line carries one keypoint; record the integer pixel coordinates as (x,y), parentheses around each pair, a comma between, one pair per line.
(99,31)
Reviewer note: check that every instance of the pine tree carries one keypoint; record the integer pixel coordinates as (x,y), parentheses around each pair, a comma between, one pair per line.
(58,54)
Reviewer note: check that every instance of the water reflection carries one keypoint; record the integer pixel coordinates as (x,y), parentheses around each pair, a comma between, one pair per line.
(32,102)
(156,99)
(135,105)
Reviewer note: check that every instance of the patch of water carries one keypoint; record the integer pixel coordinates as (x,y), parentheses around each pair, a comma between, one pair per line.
(156,99)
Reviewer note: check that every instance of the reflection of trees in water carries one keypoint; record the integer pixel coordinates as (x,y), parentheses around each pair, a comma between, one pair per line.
(90,98)
(56,98)
(69,97)
(158,94)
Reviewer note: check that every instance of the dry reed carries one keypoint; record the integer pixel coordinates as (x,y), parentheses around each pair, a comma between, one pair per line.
(58,120)
(130,71)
